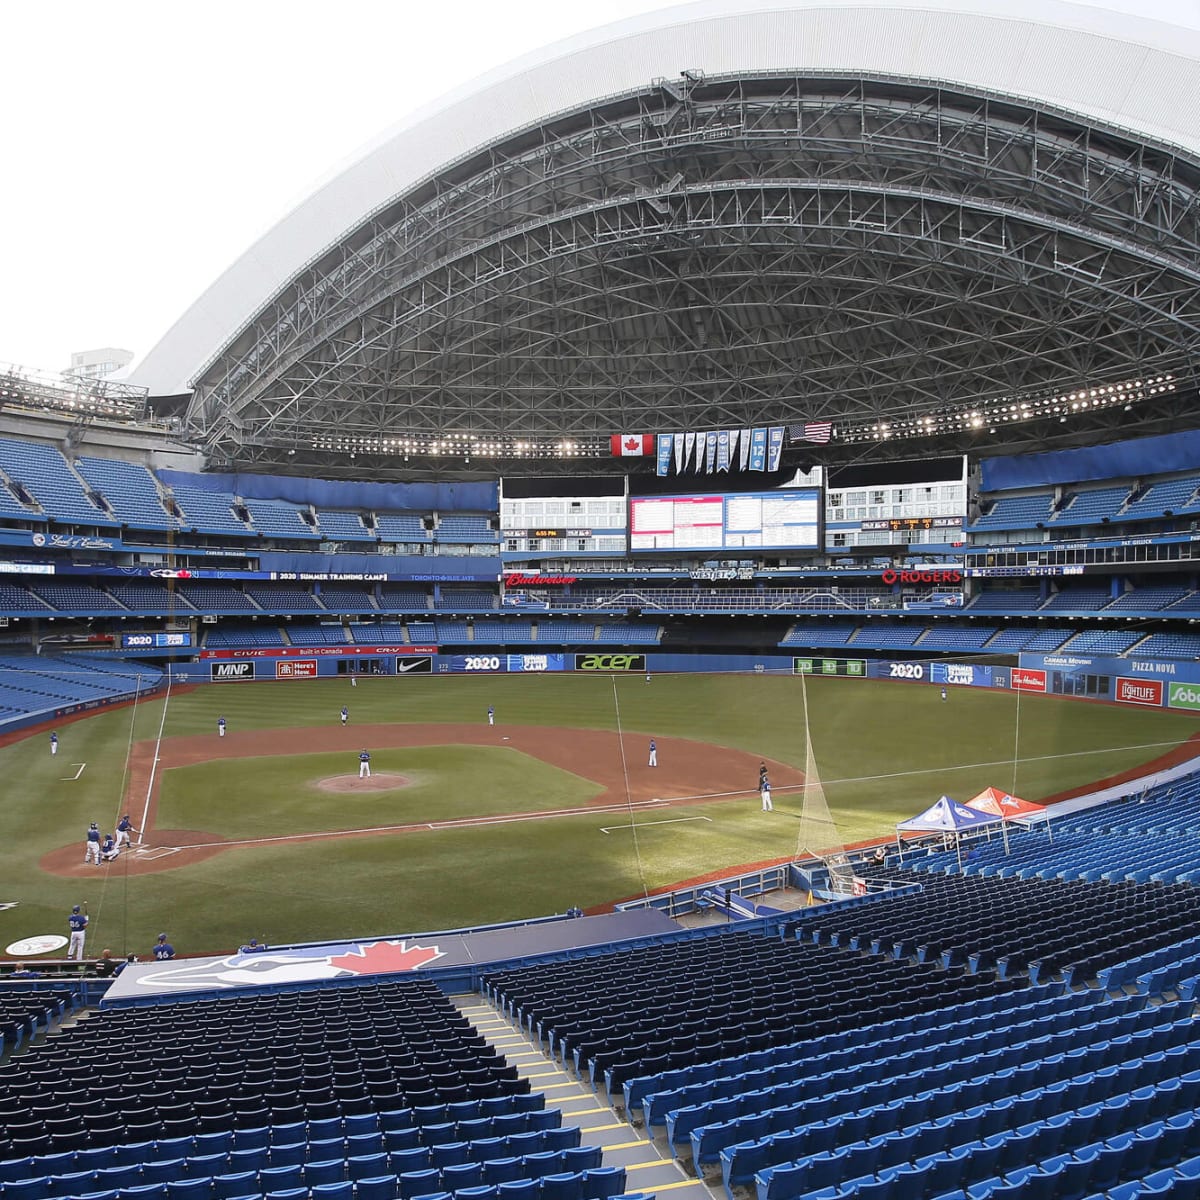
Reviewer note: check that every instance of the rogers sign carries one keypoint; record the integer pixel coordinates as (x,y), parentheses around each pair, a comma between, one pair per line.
(891,576)
(1140,691)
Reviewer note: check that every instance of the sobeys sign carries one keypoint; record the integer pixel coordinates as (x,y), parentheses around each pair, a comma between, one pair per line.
(1184,695)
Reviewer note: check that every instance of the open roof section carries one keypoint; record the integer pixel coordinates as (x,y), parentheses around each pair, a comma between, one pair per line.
(845,210)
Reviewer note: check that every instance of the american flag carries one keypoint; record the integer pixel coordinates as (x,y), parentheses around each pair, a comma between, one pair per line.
(812,431)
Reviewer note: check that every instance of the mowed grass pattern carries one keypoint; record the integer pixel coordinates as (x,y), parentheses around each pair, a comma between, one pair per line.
(883,750)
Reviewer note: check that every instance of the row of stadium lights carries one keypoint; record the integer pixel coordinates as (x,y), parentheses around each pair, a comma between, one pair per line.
(461,445)
(1084,400)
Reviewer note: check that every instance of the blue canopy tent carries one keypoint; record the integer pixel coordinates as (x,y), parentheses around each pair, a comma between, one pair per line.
(945,816)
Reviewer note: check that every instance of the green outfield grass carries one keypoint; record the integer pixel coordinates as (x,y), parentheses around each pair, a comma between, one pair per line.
(883,751)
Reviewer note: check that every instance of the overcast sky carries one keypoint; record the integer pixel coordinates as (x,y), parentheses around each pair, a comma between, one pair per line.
(147,143)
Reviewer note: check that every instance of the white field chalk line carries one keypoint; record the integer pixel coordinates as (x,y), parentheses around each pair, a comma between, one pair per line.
(72,778)
(646,824)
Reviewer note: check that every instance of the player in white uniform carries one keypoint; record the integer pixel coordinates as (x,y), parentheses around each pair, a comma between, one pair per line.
(364,765)
(764,790)
(77,922)
(54,743)
(91,852)
(345,715)
(220,726)
(491,715)
(653,753)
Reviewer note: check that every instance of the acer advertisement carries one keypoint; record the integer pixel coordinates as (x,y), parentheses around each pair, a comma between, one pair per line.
(1024,679)
(1140,691)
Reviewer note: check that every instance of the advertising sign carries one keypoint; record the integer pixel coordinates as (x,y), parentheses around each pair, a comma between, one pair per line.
(610,662)
(960,673)
(537,662)
(1140,691)
(305,668)
(1025,679)
(829,666)
(475,663)
(231,672)
(157,641)
(1184,695)
(415,666)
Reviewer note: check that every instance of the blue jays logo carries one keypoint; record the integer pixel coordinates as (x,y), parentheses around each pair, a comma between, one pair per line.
(301,965)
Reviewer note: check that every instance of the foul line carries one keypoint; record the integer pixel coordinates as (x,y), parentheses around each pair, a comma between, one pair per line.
(646,824)
(72,778)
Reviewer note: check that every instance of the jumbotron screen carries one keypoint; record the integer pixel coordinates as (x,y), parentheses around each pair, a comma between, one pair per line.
(780,520)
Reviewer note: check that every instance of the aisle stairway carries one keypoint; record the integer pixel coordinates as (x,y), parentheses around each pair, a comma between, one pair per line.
(649,1168)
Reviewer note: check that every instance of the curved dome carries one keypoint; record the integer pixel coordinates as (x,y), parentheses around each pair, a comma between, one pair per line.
(787,210)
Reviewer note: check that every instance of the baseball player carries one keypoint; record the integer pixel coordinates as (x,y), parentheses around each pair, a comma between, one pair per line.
(491,715)
(91,851)
(345,715)
(53,743)
(220,726)
(943,694)
(254,946)
(124,829)
(163,950)
(108,848)
(364,765)
(354,681)
(764,790)
(77,923)
(653,753)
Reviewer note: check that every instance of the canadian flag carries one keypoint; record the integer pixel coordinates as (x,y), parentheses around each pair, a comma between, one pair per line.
(632,445)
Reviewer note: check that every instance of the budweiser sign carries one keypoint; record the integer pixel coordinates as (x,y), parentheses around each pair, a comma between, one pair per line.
(891,576)
(519,580)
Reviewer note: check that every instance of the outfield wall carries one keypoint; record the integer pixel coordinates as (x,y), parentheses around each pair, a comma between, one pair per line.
(1141,682)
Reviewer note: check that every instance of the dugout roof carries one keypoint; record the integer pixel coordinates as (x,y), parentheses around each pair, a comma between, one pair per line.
(724,215)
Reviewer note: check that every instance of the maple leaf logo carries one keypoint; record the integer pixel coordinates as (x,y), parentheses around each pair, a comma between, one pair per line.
(632,443)
(383,957)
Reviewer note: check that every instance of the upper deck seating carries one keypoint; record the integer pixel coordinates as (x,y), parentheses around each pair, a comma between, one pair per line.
(1005,600)
(208,512)
(43,473)
(346,598)
(401,527)
(150,596)
(130,491)
(280,598)
(1168,495)
(465,528)
(279,519)
(211,597)
(1016,512)
(1077,599)
(338,526)
(819,634)
(1093,506)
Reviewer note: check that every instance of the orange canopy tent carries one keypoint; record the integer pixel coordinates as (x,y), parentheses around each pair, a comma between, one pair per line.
(1002,804)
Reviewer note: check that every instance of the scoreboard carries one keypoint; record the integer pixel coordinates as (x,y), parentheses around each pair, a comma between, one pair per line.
(787,519)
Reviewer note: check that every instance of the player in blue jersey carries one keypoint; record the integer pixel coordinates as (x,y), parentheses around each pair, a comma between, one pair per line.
(364,765)
(653,753)
(124,829)
(77,922)
(491,715)
(108,848)
(53,743)
(764,791)
(163,950)
(91,851)
(220,726)
(345,715)
(254,946)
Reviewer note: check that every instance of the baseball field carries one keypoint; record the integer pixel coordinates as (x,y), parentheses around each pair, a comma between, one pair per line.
(270,832)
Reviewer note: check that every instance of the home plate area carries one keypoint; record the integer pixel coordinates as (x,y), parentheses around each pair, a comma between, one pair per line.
(150,853)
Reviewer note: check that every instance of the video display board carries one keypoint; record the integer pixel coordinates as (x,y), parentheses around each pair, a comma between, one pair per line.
(778,520)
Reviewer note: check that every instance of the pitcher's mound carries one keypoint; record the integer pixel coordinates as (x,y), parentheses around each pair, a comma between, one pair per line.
(381,781)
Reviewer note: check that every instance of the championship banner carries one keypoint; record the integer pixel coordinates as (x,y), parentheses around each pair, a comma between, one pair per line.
(758,450)
(774,447)
(664,453)
(679,455)
(744,450)
(689,444)
(723,450)
(710,452)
